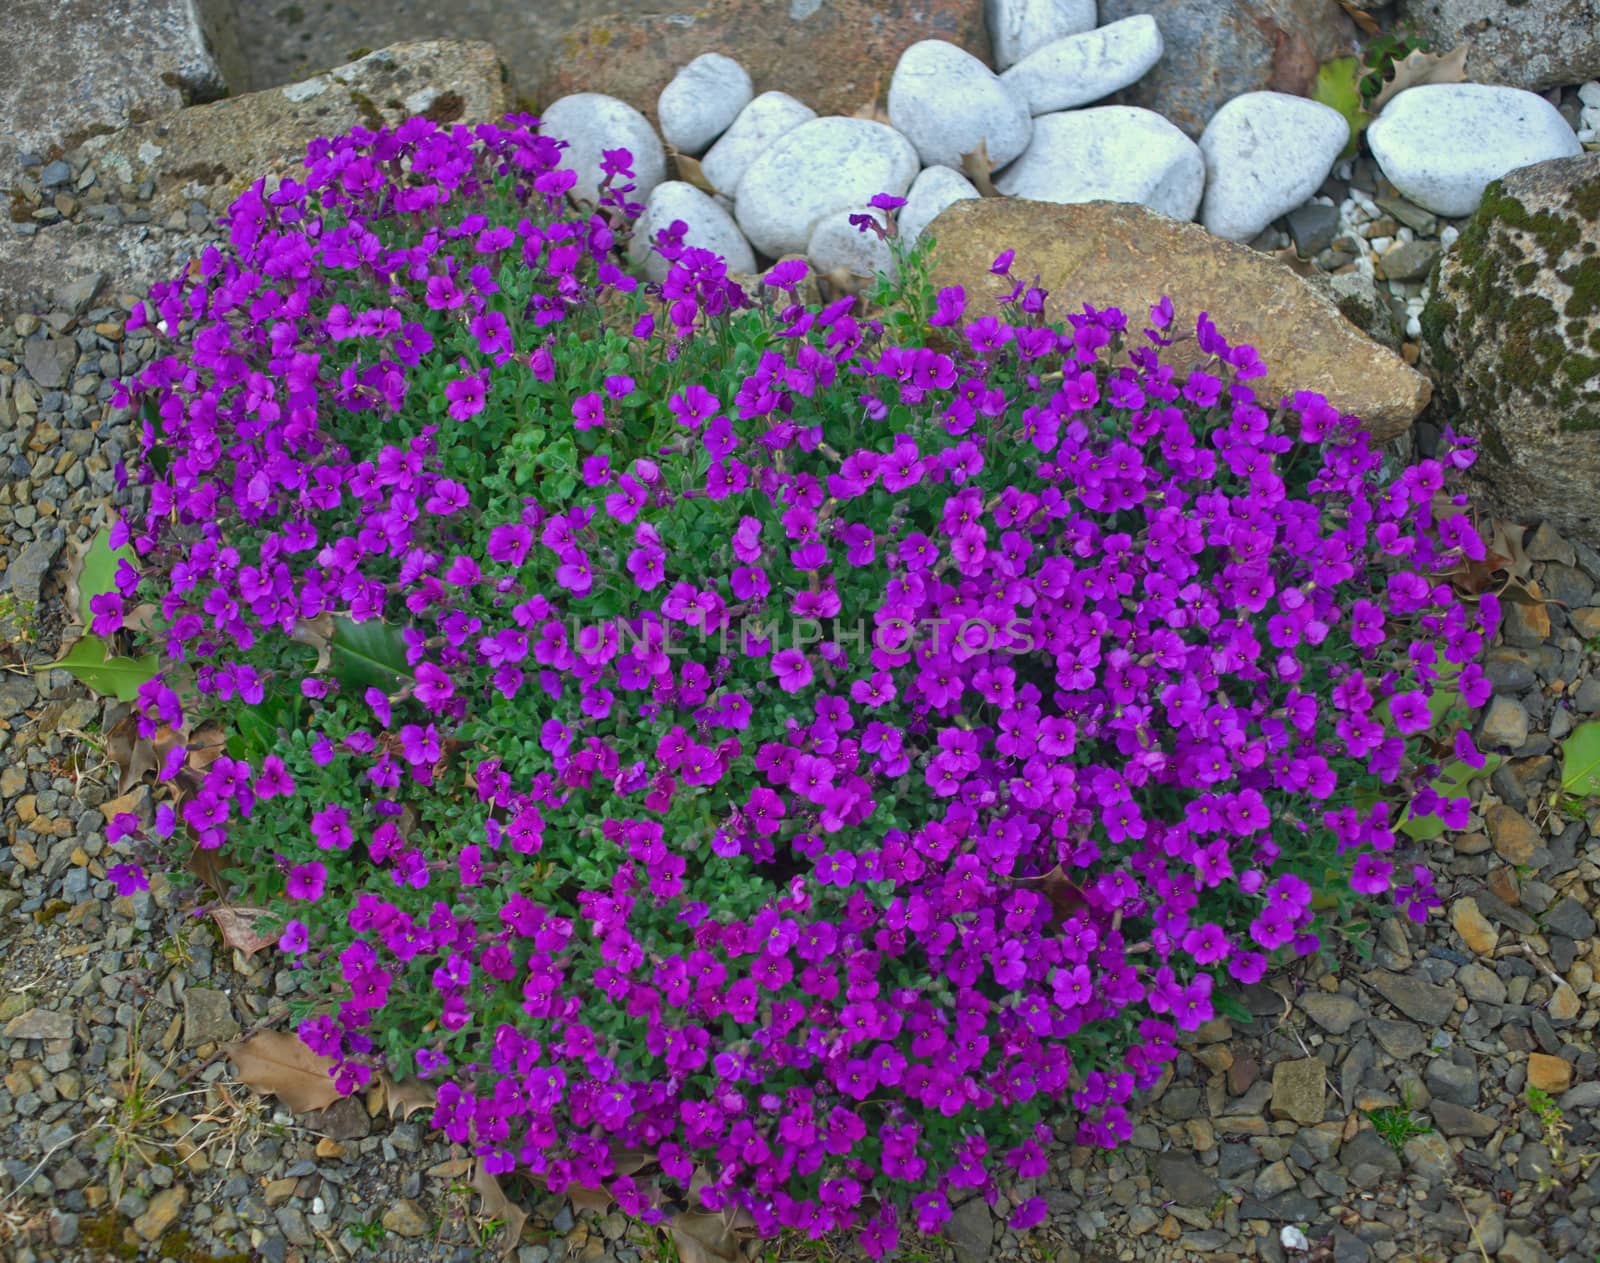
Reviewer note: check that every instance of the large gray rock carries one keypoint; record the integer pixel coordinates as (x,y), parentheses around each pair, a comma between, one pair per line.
(70,69)
(1216,49)
(1536,45)
(702,101)
(1513,331)
(1440,144)
(933,190)
(1019,27)
(760,123)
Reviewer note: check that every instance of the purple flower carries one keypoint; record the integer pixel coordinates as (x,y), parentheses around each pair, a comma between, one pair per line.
(295,938)
(792,669)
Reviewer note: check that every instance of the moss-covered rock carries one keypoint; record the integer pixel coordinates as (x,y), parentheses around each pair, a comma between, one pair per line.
(1513,331)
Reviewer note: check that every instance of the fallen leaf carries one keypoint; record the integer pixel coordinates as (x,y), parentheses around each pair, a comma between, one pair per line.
(405,1098)
(583,1198)
(496,1205)
(238,927)
(1365,22)
(690,171)
(1065,895)
(318,633)
(279,1063)
(1294,65)
(132,754)
(207,866)
(975,166)
(703,1238)
(1419,68)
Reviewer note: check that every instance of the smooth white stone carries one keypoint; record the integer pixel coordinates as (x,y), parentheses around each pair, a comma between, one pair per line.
(1074,71)
(819,167)
(947,103)
(760,123)
(1114,153)
(837,245)
(702,101)
(710,228)
(591,122)
(933,190)
(1019,27)
(1266,153)
(1442,143)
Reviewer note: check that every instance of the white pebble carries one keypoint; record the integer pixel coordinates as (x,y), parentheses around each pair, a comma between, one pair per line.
(1413,327)
(934,190)
(1586,136)
(1078,69)
(1589,93)
(1447,237)
(1019,27)
(591,122)
(1406,234)
(838,245)
(759,124)
(1345,169)
(710,227)
(1112,153)
(702,101)
(820,167)
(1442,143)
(946,103)
(1266,153)
(1380,244)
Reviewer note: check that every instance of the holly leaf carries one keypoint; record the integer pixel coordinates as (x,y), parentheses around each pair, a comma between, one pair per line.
(91,662)
(405,1097)
(1419,68)
(1580,760)
(277,1062)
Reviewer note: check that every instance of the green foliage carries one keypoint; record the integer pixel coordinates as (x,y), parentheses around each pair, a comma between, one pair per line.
(99,571)
(92,661)
(1580,760)
(1399,1123)
(1452,782)
(368,655)
(1338,86)
(1379,59)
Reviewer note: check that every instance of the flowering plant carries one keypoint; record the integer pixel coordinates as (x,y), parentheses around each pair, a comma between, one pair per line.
(828,763)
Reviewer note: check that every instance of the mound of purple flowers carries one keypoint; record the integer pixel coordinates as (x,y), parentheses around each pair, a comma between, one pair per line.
(831,766)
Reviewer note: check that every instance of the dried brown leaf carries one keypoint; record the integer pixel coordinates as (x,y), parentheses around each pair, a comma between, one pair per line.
(975,166)
(496,1205)
(1365,22)
(690,172)
(583,1197)
(318,633)
(1290,258)
(207,866)
(1294,65)
(408,1096)
(132,754)
(1065,895)
(1419,68)
(279,1063)
(703,1238)
(238,927)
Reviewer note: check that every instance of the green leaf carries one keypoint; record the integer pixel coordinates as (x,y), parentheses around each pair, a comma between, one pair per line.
(1338,85)
(1580,760)
(89,660)
(368,655)
(1452,782)
(99,574)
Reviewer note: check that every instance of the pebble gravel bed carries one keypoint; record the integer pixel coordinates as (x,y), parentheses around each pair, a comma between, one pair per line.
(123,1133)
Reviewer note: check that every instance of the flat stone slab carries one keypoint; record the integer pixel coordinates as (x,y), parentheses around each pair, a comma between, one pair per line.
(1115,254)
(72,68)
(214,151)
